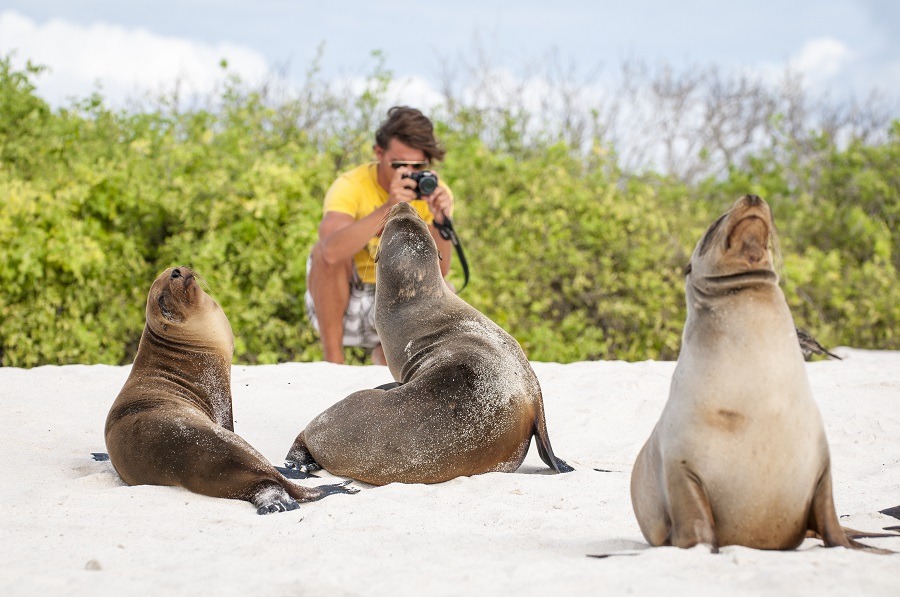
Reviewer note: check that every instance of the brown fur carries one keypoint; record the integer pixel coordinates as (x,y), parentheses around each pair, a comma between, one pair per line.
(172,422)
(739,455)
(469,402)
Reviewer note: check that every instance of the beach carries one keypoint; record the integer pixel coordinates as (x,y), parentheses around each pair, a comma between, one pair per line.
(71,526)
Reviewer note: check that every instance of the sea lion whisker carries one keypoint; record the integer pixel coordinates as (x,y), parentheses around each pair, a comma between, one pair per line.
(202,281)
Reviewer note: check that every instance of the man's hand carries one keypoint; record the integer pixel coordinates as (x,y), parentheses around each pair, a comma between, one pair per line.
(440,202)
(402,190)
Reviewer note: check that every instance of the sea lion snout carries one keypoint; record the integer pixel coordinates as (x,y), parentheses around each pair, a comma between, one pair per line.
(739,249)
(405,214)
(403,211)
(185,274)
(405,227)
(750,228)
(174,296)
(750,240)
(401,207)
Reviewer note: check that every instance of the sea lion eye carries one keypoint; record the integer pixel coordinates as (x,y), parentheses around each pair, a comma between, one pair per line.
(176,273)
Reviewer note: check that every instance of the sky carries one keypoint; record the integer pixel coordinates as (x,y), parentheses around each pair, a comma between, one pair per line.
(841,47)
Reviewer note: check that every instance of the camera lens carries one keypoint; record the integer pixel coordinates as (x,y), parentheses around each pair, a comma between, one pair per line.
(427,183)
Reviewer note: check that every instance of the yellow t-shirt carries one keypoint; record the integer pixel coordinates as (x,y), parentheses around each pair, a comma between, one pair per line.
(357,193)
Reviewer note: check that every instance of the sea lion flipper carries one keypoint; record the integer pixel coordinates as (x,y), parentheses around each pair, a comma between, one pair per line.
(273,498)
(313,494)
(299,458)
(691,513)
(545,450)
(824,521)
(855,534)
(295,472)
(546,453)
(389,386)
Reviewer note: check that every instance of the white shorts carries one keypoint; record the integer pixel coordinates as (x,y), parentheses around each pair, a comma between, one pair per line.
(359,319)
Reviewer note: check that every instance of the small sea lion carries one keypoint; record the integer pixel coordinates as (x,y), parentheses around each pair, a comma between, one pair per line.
(465,401)
(172,422)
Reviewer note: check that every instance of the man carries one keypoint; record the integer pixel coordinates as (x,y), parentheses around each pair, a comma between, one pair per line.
(340,278)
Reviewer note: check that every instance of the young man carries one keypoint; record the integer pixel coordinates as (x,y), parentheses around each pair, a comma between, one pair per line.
(340,278)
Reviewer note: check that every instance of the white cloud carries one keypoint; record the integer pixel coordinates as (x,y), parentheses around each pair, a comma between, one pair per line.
(822,60)
(829,66)
(125,62)
(414,91)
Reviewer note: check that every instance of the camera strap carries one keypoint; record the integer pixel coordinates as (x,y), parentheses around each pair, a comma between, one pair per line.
(449,233)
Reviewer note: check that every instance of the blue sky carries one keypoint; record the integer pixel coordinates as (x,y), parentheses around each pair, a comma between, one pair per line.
(842,47)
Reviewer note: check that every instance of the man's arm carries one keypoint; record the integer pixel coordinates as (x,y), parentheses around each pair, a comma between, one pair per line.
(341,236)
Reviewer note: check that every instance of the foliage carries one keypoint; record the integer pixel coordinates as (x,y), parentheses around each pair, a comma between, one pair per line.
(574,256)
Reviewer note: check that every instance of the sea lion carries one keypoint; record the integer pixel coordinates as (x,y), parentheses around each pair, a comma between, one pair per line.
(466,400)
(172,422)
(739,455)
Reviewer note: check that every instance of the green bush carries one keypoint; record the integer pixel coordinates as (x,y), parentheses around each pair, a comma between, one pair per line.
(576,258)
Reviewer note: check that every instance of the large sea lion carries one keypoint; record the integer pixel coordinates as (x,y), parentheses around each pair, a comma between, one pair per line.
(172,422)
(466,400)
(739,455)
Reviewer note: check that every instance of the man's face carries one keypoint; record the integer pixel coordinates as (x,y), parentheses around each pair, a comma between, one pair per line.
(396,151)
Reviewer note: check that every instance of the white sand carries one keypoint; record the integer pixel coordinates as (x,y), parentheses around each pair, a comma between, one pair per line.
(70,526)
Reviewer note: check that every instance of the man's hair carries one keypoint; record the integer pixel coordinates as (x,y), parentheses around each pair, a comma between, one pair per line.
(410,127)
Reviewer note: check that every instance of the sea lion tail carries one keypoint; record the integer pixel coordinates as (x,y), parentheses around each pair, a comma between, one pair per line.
(542,438)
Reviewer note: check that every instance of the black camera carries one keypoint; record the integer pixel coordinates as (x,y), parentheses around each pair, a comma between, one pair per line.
(426,182)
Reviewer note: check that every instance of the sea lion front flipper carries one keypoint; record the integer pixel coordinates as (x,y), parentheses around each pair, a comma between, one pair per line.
(823,519)
(689,509)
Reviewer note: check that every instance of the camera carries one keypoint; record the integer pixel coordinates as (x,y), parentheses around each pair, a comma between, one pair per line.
(426,182)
